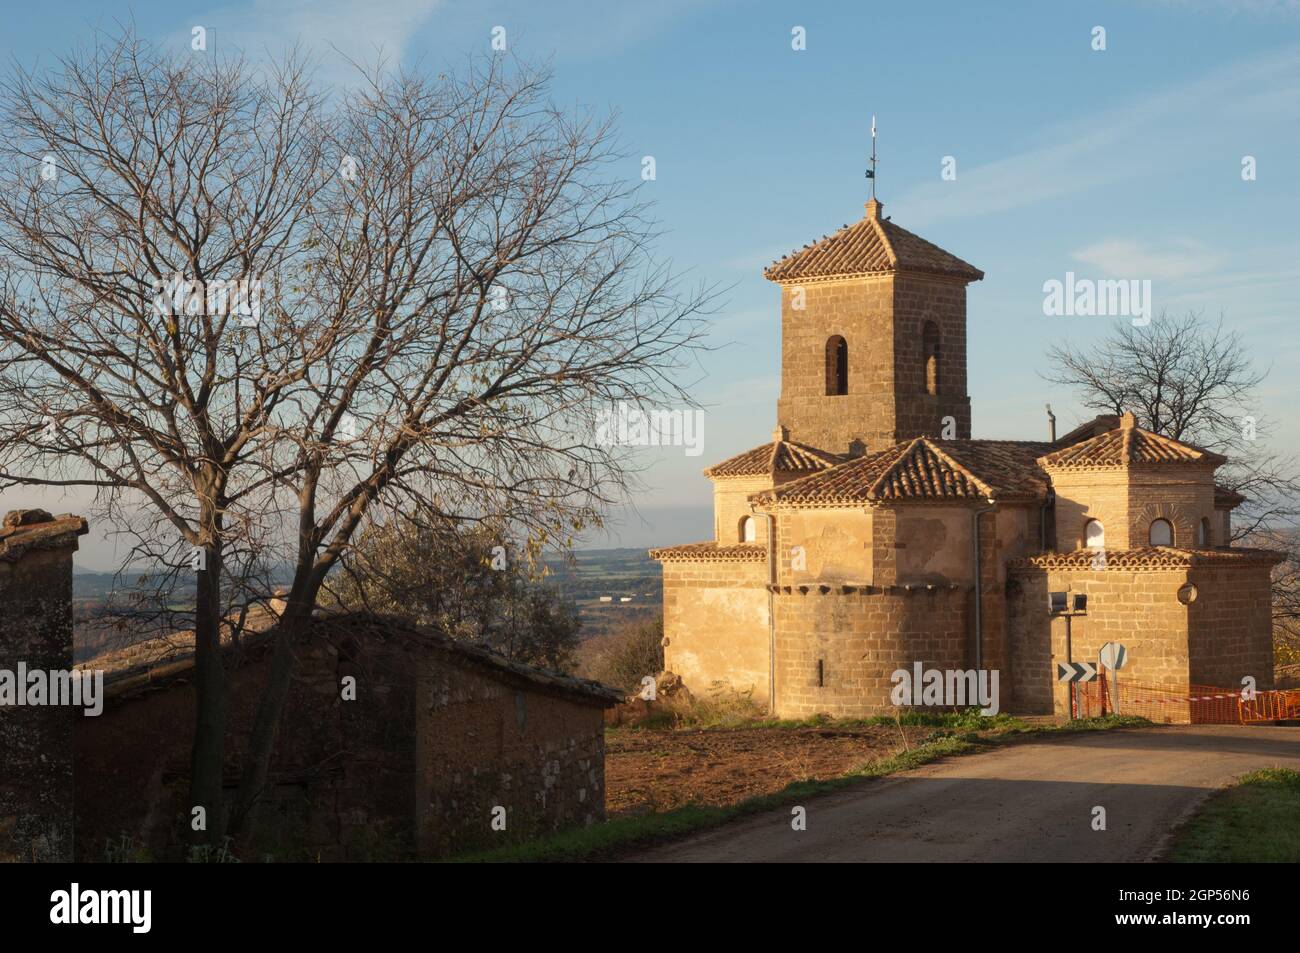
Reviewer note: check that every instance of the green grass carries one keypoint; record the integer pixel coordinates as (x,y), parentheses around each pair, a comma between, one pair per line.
(953,737)
(969,719)
(1257,819)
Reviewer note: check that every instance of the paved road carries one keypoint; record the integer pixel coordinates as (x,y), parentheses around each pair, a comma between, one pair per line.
(1027,802)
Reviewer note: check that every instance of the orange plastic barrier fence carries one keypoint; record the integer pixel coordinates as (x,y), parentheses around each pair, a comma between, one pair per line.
(1197,704)
(1271,706)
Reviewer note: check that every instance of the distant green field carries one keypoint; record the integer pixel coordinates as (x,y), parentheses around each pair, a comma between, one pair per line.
(617,573)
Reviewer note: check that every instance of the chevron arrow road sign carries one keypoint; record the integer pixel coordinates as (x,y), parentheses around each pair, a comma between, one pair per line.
(1075,672)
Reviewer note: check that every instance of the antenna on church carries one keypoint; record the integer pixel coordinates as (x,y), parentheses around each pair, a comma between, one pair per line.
(871,173)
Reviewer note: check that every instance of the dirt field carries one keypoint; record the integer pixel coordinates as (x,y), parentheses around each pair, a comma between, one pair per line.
(654,770)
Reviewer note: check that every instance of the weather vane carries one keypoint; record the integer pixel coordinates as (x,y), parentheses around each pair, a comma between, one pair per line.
(871,173)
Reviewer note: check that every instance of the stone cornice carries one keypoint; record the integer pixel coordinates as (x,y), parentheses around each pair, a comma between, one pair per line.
(1149,559)
(711,552)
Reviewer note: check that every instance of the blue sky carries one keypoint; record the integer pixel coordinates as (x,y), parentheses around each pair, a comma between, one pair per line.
(1123,163)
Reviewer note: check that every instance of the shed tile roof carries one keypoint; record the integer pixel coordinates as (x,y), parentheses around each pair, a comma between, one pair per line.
(925,470)
(777,457)
(165,661)
(870,246)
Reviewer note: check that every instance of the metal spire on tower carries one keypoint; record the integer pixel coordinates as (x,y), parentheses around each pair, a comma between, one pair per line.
(871,173)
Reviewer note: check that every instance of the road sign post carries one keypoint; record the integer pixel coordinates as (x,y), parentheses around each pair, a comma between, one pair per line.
(1061,604)
(1069,659)
(1113,656)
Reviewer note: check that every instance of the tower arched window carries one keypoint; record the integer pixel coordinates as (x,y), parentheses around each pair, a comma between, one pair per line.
(748,530)
(1094,535)
(837,366)
(930,356)
(1161,533)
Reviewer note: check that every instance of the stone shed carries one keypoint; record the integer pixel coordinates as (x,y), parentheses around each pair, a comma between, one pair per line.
(396,743)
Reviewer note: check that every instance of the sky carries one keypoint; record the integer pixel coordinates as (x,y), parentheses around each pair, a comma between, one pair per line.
(1123,162)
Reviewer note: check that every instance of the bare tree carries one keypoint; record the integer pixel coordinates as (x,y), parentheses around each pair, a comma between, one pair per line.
(1192,380)
(454,281)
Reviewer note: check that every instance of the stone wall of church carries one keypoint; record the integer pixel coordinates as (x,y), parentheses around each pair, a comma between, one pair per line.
(716,624)
(1230,625)
(837,646)
(1221,635)
(1139,609)
(827,545)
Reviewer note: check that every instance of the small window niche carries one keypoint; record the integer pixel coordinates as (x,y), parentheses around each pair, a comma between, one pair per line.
(837,366)
(1161,533)
(748,530)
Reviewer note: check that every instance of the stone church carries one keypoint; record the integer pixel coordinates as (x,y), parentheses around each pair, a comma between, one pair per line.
(872,532)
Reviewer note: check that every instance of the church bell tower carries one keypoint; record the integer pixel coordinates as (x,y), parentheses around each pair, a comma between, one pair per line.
(873,338)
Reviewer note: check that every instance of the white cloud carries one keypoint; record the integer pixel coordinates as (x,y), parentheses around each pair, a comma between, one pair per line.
(1122,257)
(333,30)
(1248,7)
(1156,131)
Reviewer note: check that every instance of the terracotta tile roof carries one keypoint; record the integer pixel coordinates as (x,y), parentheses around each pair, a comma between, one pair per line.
(711,551)
(1092,428)
(870,246)
(924,470)
(779,456)
(1126,446)
(1010,467)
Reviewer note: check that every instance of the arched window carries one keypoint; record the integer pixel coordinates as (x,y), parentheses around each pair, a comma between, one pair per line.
(930,355)
(1203,535)
(1094,535)
(748,530)
(837,366)
(1162,533)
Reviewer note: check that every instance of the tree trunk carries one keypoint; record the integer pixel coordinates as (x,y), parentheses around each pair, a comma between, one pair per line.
(261,743)
(208,753)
